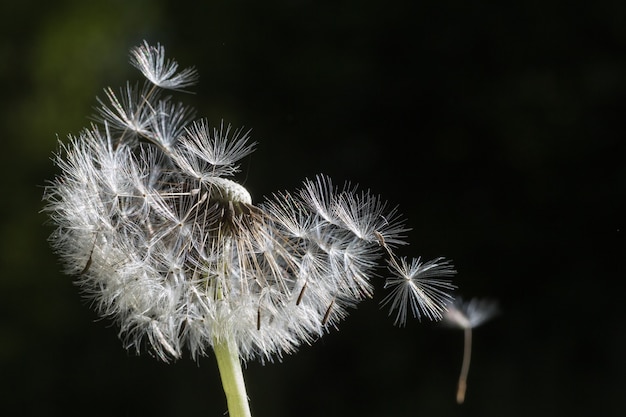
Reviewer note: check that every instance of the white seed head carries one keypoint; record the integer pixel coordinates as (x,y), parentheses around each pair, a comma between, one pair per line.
(167,244)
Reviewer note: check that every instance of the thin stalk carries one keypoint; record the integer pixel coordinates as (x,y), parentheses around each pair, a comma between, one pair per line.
(229,364)
(467,354)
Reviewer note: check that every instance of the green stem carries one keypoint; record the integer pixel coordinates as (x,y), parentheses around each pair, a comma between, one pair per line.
(227,355)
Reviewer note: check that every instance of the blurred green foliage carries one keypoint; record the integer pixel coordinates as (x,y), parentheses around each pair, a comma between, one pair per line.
(498,128)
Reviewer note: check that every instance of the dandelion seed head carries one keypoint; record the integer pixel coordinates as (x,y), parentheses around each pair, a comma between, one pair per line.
(164,241)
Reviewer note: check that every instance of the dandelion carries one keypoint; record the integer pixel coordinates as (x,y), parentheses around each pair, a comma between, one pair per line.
(169,246)
(467,315)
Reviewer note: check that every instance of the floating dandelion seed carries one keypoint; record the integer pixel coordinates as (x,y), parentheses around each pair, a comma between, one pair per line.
(467,315)
(174,251)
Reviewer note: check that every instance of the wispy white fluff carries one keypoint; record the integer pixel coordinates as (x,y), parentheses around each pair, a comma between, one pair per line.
(150,60)
(166,243)
(467,314)
(421,287)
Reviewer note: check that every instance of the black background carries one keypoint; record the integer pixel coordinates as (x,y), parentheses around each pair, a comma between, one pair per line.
(497,127)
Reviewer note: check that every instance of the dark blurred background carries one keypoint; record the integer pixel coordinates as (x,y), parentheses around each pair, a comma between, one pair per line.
(497,127)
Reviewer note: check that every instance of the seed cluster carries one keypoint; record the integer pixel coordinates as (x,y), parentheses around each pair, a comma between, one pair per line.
(166,243)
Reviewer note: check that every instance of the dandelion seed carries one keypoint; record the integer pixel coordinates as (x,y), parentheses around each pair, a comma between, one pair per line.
(467,315)
(424,288)
(328,312)
(150,60)
(87,265)
(299,300)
